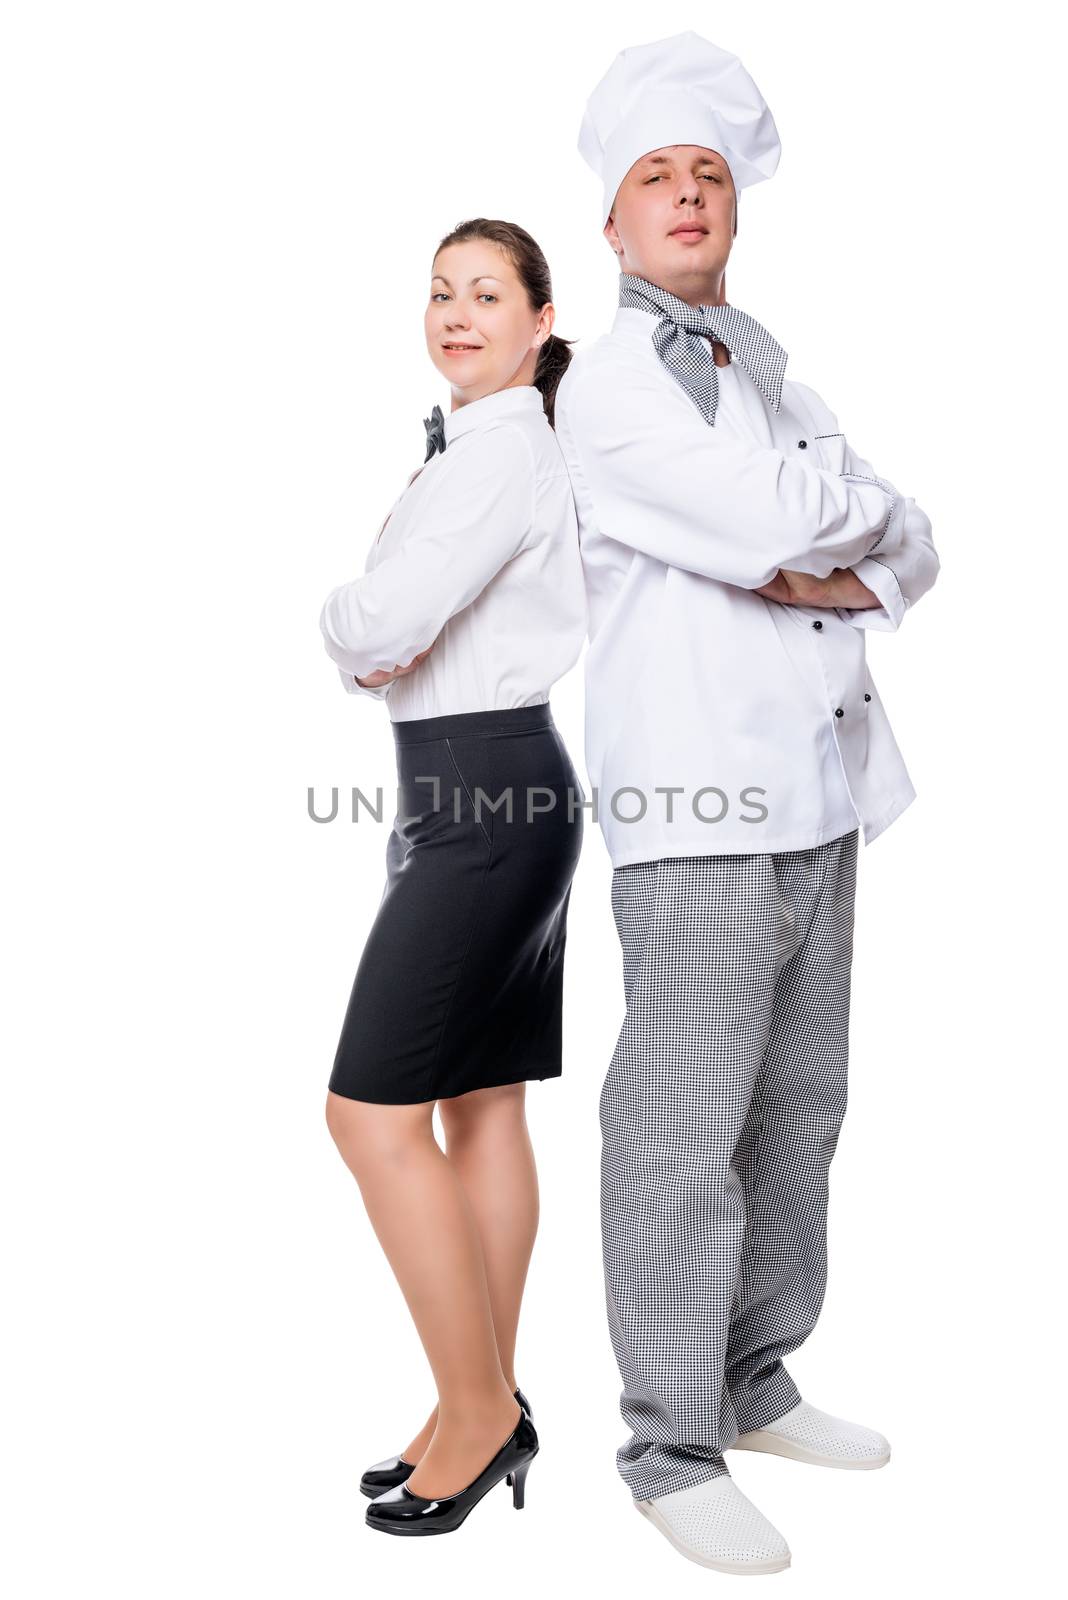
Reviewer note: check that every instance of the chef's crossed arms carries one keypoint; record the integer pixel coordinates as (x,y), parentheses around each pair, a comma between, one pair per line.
(841,588)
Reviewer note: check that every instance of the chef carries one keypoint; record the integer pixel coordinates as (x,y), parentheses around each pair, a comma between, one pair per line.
(736,549)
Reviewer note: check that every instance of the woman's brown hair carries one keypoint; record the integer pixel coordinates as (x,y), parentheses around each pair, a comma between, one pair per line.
(526,256)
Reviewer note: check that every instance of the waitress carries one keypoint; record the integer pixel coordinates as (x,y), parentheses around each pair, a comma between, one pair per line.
(471,605)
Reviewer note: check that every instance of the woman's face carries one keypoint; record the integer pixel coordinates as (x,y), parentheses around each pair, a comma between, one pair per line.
(480,330)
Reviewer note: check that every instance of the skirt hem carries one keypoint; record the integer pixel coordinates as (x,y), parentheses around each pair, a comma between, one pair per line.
(528,1076)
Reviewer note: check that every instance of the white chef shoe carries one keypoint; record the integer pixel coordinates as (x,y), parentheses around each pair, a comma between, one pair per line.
(715,1525)
(805,1434)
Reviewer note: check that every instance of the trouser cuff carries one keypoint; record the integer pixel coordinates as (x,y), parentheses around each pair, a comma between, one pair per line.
(757,1405)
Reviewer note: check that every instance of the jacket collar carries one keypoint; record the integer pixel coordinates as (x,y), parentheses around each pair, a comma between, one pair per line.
(522,397)
(636,328)
(635,325)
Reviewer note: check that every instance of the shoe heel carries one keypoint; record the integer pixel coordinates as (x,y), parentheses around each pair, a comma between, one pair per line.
(518,1480)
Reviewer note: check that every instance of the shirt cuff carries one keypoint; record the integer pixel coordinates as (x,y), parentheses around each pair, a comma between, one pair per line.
(894,527)
(880,579)
(352,687)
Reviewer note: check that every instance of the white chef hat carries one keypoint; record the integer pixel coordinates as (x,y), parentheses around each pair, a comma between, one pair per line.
(681,90)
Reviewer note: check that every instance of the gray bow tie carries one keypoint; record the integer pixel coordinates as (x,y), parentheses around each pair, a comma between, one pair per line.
(688,356)
(435,433)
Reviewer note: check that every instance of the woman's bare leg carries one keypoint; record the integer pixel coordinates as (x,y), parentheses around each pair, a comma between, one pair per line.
(488,1143)
(425,1223)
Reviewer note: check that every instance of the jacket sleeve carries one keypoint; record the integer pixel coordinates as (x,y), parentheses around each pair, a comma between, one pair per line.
(693,497)
(480,511)
(898,579)
(899,574)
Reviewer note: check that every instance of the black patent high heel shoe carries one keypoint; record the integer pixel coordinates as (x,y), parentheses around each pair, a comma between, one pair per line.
(398,1510)
(387,1474)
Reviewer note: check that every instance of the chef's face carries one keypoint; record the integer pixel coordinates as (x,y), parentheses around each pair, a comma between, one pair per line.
(480,330)
(674,219)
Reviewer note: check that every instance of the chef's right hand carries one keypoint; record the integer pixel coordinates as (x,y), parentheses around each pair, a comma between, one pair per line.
(376,679)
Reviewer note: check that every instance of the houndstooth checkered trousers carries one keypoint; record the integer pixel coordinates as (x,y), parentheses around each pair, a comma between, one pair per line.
(720,1113)
(678,342)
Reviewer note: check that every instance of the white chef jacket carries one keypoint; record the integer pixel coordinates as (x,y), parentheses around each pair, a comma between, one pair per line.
(480,553)
(763,717)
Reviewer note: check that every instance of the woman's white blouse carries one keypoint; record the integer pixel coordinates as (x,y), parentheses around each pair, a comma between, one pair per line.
(718,721)
(480,554)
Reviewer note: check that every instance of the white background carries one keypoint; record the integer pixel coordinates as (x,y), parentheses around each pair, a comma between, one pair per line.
(220,220)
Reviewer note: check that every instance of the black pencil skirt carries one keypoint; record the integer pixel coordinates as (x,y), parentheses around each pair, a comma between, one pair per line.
(460,983)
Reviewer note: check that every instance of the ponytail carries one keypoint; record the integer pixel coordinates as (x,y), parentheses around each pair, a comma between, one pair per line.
(553,360)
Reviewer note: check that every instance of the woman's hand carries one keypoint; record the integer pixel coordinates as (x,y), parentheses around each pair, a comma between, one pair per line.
(376,679)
